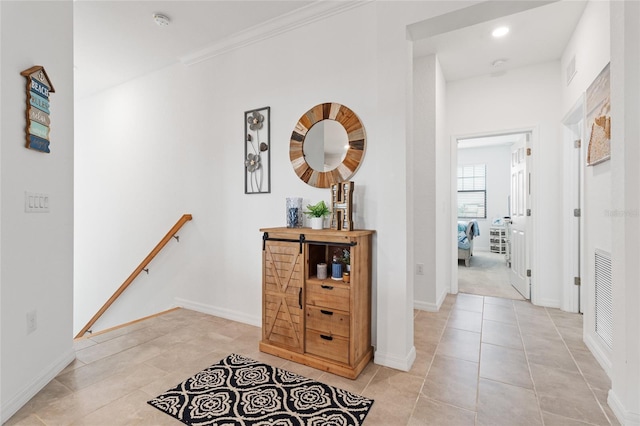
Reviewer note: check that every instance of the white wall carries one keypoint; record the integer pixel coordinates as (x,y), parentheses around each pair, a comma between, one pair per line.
(624,396)
(431,202)
(423,195)
(497,160)
(130,190)
(590,45)
(522,99)
(36,248)
(445,223)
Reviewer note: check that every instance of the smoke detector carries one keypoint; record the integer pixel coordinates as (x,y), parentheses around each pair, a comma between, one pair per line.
(160,19)
(498,63)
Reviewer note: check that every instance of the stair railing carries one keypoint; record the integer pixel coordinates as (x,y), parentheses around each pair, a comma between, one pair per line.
(142,267)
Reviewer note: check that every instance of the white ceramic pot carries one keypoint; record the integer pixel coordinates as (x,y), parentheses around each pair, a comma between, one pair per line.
(317,222)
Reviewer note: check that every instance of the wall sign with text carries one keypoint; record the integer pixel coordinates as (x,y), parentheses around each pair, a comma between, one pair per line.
(38,122)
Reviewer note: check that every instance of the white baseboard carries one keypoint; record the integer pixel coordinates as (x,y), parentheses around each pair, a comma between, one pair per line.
(441,298)
(220,312)
(625,417)
(425,306)
(429,306)
(37,384)
(600,352)
(393,361)
(547,303)
(386,360)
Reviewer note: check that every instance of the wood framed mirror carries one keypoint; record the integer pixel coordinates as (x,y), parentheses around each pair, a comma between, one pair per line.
(327,146)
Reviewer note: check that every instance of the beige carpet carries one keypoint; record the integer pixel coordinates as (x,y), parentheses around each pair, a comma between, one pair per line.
(487,275)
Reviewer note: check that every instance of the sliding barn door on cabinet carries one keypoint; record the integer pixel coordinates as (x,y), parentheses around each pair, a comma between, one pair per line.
(282,280)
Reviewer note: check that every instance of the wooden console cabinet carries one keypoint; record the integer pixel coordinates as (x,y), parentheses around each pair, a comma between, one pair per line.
(322,323)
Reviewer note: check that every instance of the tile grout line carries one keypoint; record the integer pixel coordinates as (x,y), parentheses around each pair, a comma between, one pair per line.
(578,366)
(479,360)
(526,356)
(424,380)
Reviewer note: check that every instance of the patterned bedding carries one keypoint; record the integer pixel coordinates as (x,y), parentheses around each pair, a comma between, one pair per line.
(466,232)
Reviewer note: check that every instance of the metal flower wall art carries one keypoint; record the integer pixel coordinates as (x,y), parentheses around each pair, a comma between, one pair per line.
(257,156)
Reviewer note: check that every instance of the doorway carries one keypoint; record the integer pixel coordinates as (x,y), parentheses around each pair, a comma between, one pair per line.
(493,199)
(574,152)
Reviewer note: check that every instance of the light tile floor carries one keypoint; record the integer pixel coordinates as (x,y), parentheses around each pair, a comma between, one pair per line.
(480,361)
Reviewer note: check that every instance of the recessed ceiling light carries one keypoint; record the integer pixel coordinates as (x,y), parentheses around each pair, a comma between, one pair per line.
(500,32)
(498,63)
(160,19)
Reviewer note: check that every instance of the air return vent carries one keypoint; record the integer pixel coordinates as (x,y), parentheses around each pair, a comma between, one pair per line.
(604,297)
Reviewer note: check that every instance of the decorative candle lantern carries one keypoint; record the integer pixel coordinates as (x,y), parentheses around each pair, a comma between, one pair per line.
(294,212)
(322,271)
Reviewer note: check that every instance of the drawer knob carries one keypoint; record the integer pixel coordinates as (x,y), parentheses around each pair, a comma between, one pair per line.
(322,336)
(326,312)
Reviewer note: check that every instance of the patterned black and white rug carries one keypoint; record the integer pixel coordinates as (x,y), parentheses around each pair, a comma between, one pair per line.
(241,391)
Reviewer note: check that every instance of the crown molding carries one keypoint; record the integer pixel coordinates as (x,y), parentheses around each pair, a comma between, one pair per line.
(316,11)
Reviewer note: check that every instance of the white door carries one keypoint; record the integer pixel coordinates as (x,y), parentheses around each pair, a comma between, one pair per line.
(519,206)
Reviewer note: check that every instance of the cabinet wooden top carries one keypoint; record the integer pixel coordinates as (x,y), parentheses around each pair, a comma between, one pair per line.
(317,232)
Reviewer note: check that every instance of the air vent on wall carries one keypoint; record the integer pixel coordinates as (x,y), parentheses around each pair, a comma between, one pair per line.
(604,297)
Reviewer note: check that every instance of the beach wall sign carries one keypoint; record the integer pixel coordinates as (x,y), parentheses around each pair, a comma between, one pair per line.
(38,122)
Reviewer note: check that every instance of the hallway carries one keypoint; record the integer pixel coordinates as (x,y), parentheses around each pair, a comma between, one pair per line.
(480,361)
(499,361)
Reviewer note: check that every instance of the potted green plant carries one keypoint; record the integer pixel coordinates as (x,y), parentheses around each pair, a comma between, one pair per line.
(346,259)
(317,214)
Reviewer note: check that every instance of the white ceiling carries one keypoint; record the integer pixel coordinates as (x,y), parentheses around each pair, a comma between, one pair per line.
(536,35)
(116,41)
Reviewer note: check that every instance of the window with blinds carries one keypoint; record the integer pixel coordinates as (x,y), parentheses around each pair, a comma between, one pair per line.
(472,191)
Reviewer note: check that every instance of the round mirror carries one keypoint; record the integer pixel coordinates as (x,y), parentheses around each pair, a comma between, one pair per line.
(327,145)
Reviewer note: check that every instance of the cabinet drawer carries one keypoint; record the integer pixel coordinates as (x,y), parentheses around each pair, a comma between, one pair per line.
(328,295)
(327,346)
(327,321)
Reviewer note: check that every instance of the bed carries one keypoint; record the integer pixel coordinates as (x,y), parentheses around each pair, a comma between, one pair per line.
(466,232)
